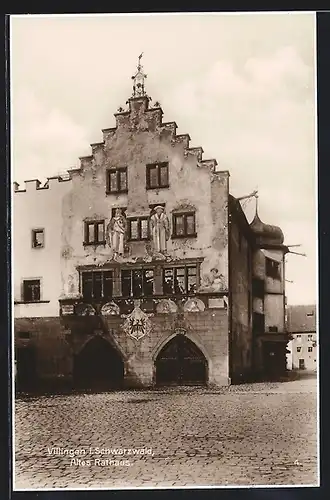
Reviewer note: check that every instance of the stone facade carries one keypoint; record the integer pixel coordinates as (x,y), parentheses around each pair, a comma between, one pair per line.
(240,286)
(145,257)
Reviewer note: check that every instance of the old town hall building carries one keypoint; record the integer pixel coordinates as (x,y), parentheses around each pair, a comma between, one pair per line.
(139,269)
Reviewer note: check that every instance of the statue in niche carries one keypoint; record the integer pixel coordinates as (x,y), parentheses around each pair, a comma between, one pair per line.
(117,231)
(159,229)
(214,282)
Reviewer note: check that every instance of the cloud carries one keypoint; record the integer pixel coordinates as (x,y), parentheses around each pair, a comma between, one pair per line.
(241,86)
(258,120)
(45,140)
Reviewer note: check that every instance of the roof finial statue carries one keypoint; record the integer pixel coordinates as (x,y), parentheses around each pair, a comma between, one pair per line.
(138,80)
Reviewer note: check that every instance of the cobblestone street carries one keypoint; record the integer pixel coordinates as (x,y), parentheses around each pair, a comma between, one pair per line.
(261,434)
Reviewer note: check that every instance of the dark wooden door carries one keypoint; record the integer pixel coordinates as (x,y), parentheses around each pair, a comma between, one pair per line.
(181,362)
(274,354)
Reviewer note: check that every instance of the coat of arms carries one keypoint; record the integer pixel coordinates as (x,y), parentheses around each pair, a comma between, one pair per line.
(137,324)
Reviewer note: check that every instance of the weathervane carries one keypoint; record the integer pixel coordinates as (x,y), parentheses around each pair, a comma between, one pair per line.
(248,197)
(138,80)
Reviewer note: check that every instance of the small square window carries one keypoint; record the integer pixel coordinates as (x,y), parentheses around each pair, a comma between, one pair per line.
(138,229)
(273,269)
(184,225)
(157,175)
(298,349)
(38,238)
(310,349)
(31,290)
(94,233)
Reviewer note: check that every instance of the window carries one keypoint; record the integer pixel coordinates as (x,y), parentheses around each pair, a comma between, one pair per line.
(138,229)
(179,280)
(310,337)
(273,269)
(97,284)
(31,290)
(298,349)
(258,287)
(273,329)
(117,180)
(157,175)
(184,225)
(94,233)
(24,335)
(38,238)
(137,282)
(298,336)
(258,323)
(310,349)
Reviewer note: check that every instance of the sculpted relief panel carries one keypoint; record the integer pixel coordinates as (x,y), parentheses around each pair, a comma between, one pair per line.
(157,228)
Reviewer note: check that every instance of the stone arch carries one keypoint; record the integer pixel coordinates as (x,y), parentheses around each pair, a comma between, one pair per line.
(187,334)
(188,365)
(98,365)
(111,340)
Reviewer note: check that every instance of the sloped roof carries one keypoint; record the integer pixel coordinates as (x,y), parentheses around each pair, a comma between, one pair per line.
(266,232)
(301,319)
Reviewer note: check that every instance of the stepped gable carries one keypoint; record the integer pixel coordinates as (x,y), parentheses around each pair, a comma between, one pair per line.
(140,116)
(36,185)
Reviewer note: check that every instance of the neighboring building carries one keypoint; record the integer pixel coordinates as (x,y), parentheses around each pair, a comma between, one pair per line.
(301,324)
(141,269)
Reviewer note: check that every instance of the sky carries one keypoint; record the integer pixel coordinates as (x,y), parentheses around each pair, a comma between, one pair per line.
(242,86)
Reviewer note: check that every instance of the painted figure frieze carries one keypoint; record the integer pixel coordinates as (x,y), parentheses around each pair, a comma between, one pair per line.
(166,306)
(110,309)
(214,281)
(194,305)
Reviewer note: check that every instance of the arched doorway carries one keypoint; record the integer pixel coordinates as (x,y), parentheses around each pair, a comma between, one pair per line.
(181,362)
(26,365)
(98,366)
